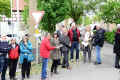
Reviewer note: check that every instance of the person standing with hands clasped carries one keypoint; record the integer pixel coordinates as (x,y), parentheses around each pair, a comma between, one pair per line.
(25,52)
(45,49)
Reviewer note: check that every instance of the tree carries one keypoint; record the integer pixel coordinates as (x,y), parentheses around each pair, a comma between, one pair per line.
(110,12)
(5,8)
(55,12)
(25,13)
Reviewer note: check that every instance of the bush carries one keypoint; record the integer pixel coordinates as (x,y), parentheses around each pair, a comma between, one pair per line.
(109,36)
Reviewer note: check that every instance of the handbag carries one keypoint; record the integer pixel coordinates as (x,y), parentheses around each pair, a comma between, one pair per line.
(31,57)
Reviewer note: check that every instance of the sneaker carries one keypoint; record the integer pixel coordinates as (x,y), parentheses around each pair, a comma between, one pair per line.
(96,63)
(72,60)
(63,67)
(77,60)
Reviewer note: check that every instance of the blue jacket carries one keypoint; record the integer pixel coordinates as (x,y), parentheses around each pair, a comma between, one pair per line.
(25,50)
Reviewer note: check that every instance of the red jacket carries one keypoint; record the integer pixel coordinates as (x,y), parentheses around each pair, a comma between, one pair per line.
(45,48)
(70,34)
(14,53)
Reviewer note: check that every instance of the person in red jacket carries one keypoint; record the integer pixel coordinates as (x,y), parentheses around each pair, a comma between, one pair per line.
(45,49)
(74,35)
(13,59)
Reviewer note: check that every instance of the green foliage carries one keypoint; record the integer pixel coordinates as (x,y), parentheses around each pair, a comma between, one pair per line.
(5,8)
(110,12)
(55,12)
(109,36)
(87,20)
(75,9)
(25,14)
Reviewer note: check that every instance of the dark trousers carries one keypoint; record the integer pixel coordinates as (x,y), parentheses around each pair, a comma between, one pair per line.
(2,62)
(12,67)
(65,59)
(75,45)
(85,51)
(26,68)
(117,59)
(54,66)
(4,69)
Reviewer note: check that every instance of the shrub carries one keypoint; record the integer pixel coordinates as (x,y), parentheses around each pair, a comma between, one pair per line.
(109,36)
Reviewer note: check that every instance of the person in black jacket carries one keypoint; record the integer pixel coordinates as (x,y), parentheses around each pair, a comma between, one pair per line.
(116,48)
(98,43)
(4,48)
(65,41)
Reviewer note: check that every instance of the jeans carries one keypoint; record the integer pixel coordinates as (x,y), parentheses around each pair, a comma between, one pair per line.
(75,45)
(4,69)
(85,51)
(2,62)
(65,59)
(98,56)
(44,67)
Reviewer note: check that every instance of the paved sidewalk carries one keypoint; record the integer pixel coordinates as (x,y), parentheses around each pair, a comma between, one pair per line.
(89,71)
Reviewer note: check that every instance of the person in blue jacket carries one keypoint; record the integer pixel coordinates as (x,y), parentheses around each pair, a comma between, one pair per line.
(25,51)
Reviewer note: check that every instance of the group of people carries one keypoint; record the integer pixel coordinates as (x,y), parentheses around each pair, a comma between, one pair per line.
(11,53)
(57,47)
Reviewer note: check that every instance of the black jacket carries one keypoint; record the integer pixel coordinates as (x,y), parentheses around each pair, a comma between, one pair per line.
(99,37)
(116,48)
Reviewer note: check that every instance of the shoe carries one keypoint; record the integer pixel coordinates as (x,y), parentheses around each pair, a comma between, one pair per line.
(23,78)
(63,67)
(11,79)
(77,61)
(117,67)
(51,74)
(43,79)
(56,72)
(72,60)
(15,79)
(69,68)
(96,63)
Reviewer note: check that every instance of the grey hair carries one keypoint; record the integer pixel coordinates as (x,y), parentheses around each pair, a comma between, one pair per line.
(46,34)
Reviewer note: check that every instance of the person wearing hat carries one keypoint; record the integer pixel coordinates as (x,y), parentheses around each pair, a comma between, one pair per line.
(4,49)
(55,54)
(116,48)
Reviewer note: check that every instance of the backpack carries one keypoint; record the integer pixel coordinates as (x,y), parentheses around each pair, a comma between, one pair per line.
(14,53)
